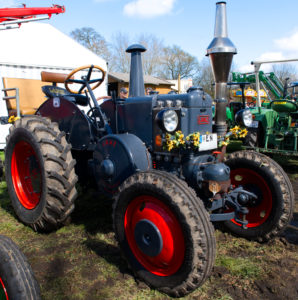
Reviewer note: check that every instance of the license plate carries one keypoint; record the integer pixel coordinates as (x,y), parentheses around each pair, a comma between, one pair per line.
(254,124)
(208,141)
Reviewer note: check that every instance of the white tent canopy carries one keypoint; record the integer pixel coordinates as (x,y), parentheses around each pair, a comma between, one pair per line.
(42,44)
(36,47)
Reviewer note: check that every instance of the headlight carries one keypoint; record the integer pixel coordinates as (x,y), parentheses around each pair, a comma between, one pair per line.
(244,117)
(167,120)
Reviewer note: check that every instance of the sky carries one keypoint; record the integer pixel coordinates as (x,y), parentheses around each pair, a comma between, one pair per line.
(260,29)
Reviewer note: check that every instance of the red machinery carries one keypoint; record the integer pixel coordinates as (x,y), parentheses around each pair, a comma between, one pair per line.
(13,17)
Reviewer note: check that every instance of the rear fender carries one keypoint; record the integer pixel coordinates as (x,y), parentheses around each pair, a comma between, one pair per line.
(77,126)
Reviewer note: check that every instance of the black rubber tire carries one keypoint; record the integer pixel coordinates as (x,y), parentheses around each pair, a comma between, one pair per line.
(198,232)
(282,195)
(1,169)
(16,273)
(56,167)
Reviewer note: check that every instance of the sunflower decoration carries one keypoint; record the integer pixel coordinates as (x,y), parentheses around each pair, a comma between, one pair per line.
(179,141)
(12,119)
(192,141)
(224,142)
(236,132)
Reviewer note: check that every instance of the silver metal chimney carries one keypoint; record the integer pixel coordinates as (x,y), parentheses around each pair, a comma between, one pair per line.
(221,51)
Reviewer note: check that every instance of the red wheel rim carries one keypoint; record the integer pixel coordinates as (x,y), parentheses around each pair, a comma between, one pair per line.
(3,292)
(249,179)
(171,256)
(26,175)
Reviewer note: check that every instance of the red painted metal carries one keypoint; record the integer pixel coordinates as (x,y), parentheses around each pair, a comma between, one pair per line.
(3,291)
(26,175)
(13,14)
(203,119)
(248,178)
(171,257)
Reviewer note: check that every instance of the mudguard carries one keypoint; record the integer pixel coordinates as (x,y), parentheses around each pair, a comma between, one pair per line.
(77,126)
(116,157)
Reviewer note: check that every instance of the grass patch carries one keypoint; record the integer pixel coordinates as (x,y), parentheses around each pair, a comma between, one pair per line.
(83,261)
(240,267)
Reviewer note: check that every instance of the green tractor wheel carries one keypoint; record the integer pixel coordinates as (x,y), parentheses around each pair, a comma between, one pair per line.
(271,212)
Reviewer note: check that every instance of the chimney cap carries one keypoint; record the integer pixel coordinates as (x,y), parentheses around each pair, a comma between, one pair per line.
(221,45)
(135,48)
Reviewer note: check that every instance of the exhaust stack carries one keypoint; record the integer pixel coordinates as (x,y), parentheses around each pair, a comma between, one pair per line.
(221,51)
(136,80)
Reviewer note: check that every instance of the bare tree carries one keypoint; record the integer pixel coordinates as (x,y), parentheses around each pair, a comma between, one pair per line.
(176,61)
(150,58)
(120,60)
(93,41)
(285,70)
(205,77)
(167,62)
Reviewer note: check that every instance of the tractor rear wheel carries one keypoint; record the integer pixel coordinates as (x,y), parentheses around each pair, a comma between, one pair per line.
(270,214)
(17,280)
(164,232)
(40,173)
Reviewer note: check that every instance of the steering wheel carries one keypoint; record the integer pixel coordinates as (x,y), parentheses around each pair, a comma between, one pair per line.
(85,79)
(93,113)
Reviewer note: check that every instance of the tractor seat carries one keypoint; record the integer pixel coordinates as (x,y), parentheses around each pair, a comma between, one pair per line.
(284,106)
(52,91)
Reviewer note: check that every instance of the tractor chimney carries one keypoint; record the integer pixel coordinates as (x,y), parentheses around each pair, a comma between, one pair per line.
(136,80)
(221,51)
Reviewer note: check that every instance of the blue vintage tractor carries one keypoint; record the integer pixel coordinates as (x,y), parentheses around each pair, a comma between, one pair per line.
(156,157)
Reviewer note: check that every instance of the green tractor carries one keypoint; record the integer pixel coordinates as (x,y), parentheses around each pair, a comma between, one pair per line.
(275,123)
(237,113)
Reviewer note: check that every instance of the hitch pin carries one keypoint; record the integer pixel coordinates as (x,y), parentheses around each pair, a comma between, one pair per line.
(214,187)
(244,220)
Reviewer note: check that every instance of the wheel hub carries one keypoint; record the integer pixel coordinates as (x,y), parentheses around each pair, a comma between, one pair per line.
(154,235)
(26,175)
(107,168)
(259,208)
(148,238)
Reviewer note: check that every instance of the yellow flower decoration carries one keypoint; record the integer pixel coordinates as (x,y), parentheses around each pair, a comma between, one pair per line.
(237,132)
(192,141)
(178,141)
(12,119)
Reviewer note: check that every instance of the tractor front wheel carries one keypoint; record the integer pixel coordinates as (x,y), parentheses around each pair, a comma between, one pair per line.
(164,232)
(17,280)
(272,211)
(40,173)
